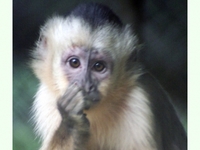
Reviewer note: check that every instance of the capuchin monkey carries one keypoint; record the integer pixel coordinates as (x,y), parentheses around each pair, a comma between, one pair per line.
(94,94)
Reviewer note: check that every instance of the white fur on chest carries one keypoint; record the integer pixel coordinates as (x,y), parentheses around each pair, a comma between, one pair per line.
(46,115)
(133,131)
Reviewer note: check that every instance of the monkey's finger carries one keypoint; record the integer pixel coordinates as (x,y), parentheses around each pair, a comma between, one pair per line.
(78,108)
(68,96)
(65,106)
(75,105)
(73,88)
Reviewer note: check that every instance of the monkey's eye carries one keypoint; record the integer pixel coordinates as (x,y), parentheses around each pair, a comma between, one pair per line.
(74,62)
(99,66)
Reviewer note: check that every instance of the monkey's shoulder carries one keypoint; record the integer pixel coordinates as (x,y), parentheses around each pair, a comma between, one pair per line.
(171,129)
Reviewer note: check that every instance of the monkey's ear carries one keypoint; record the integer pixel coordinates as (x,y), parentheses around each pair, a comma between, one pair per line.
(133,59)
(133,56)
(40,51)
(42,41)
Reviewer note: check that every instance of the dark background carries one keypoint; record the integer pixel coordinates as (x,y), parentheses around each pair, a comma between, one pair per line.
(160,24)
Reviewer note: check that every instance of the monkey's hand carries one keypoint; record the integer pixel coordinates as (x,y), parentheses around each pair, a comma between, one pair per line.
(71,106)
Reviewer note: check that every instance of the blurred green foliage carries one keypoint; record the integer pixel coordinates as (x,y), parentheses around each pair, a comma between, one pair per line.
(24,88)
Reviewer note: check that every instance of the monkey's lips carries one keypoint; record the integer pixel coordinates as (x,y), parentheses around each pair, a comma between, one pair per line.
(91,99)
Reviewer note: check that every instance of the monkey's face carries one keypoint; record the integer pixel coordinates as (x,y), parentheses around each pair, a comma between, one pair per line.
(88,68)
(71,51)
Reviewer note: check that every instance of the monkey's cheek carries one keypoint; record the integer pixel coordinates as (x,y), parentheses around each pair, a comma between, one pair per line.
(103,88)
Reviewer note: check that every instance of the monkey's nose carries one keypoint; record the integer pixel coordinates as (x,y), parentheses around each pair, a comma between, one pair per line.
(89,87)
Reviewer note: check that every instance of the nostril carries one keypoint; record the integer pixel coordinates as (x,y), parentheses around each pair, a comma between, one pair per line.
(91,88)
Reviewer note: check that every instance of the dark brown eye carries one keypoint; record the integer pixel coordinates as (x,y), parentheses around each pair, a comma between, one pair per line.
(99,66)
(74,62)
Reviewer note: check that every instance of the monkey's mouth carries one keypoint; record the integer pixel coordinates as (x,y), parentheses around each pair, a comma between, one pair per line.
(91,99)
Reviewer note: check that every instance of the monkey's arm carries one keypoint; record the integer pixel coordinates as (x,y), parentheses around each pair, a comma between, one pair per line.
(73,129)
(172,133)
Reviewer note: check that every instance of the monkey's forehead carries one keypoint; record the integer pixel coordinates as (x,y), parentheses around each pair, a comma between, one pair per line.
(75,31)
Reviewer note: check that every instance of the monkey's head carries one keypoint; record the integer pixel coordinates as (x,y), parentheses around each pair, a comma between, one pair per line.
(84,50)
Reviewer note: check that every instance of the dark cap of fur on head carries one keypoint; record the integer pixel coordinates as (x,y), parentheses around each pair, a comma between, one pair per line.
(96,14)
